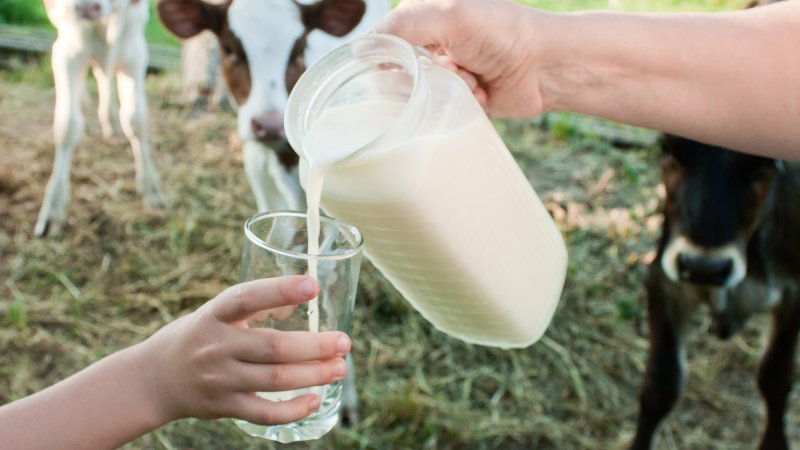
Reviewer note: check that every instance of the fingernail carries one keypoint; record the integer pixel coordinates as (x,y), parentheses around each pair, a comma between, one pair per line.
(343,344)
(307,287)
(339,370)
(313,404)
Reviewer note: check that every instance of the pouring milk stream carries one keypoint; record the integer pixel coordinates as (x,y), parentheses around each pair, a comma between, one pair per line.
(325,146)
(399,148)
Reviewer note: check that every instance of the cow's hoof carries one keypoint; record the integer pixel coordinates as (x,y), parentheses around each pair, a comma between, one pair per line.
(348,417)
(114,137)
(47,226)
(155,200)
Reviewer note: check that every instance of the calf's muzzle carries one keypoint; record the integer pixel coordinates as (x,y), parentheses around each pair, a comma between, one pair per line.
(268,127)
(89,11)
(705,270)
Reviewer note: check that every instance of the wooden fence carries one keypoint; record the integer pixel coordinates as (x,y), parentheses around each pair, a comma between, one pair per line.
(37,40)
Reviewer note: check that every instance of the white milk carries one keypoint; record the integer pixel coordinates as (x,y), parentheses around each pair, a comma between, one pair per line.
(322,154)
(313,191)
(449,219)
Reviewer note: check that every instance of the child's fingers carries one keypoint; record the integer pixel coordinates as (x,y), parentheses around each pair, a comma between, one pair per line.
(242,300)
(264,412)
(265,345)
(284,377)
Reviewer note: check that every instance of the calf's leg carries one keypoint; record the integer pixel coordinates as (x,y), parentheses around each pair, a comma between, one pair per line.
(133,118)
(664,376)
(106,106)
(350,411)
(776,371)
(69,74)
(274,187)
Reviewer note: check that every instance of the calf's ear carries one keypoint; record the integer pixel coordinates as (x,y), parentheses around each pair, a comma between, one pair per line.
(187,18)
(335,17)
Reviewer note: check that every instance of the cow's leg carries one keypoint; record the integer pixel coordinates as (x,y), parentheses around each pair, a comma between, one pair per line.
(349,415)
(69,74)
(257,160)
(133,118)
(288,184)
(106,107)
(776,371)
(664,376)
(274,188)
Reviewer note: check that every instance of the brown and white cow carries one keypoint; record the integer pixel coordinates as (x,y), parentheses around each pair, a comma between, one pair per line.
(266,45)
(107,35)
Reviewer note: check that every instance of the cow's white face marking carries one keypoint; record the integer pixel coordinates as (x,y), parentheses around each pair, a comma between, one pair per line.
(268,30)
(78,9)
(682,245)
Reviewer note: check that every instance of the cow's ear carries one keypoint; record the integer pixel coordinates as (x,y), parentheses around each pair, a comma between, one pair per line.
(335,17)
(187,18)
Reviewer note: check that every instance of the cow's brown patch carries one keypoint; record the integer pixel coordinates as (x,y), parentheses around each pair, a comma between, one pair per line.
(235,66)
(297,62)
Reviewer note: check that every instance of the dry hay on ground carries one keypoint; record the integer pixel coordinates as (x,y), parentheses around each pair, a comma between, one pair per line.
(119,273)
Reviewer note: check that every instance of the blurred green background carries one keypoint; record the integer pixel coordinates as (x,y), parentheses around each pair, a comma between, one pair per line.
(31,12)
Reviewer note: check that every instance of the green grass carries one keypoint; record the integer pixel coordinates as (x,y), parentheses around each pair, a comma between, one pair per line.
(119,273)
(22,12)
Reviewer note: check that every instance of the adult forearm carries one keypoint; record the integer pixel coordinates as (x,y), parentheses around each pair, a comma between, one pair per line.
(101,407)
(727,78)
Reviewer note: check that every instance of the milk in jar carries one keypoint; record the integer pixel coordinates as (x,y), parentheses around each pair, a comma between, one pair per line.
(447,215)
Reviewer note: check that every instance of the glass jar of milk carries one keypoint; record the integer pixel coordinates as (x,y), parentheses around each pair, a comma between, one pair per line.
(398,147)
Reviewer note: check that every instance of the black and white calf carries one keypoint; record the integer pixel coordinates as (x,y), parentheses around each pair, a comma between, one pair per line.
(731,242)
(266,45)
(107,35)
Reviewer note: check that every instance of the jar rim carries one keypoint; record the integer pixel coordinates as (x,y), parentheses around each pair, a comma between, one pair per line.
(321,80)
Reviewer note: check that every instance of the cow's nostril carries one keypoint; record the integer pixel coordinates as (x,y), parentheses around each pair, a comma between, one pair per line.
(89,11)
(704,270)
(267,127)
(258,128)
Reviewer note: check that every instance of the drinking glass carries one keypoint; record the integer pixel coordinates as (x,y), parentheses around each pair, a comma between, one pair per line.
(276,244)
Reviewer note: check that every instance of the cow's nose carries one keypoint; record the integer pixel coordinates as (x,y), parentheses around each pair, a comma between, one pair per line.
(90,11)
(268,127)
(704,270)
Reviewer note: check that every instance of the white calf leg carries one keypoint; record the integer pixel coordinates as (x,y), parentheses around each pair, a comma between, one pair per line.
(106,106)
(258,159)
(287,184)
(133,118)
(349,415)
(68,125)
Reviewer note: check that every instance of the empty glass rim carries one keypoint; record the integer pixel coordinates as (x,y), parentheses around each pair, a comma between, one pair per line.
(251,236)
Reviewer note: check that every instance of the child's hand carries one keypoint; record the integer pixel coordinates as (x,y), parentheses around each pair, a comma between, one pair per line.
(209,364)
